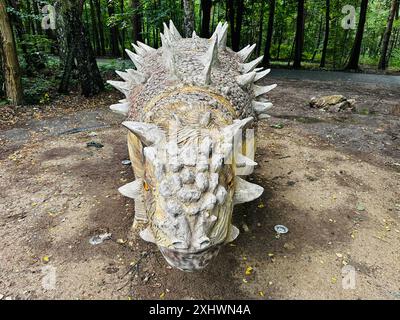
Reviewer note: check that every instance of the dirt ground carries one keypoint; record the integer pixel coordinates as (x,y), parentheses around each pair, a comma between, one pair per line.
(332,179)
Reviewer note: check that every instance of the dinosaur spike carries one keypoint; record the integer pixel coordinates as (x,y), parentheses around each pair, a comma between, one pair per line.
(194,35)
(210,58)
(223,36)
(140,51)
(136,76)
(217,29)
(167,33)
(246,191)
(258,90)
(121,108)
(247,67)
(137,60)
(261,74)
(230,131)
(246,79)
(245,53)
(146,47)
(125,75)
(174,30)
(148,133)
(121,86)
(243,161)
(147,235)
(168,55)
(132,190)
(261,107)
(233,234)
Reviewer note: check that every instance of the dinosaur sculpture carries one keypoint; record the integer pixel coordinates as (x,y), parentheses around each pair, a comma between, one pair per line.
(187,106)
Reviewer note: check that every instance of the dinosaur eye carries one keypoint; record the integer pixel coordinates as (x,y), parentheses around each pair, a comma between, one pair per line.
(145,186)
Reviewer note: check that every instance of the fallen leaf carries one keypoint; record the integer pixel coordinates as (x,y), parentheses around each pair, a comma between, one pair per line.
(249,271)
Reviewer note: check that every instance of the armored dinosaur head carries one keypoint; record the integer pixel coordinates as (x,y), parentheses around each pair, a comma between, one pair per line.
(190,186)
(188,170)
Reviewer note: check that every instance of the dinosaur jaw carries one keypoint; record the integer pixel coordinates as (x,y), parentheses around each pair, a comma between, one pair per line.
(190,261)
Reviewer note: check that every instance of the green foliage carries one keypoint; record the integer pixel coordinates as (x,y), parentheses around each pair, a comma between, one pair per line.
(37,90)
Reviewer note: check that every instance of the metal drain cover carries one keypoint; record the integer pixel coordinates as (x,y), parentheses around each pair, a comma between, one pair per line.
(281,229)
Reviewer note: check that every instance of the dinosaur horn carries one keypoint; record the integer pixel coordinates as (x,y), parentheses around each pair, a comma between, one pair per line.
(174,31)
(261,74)
(245,53)
(168,55)
(247,67)
(223,36)
(246,191)
(132,190)
(139,50)
(146,47)
(121,108)
(246,79)
(210,58)
(148,133)
(121,86)
(136,59)
(258,90)
(261,106)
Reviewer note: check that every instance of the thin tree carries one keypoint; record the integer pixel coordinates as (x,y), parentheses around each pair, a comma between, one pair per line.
(114,32)
(206,6)
(299,39)
(270,31)
(101,28)
(384,61)
(188,19)
(79,53)
(326,38)
(136,21)
(356,50)
(12,75)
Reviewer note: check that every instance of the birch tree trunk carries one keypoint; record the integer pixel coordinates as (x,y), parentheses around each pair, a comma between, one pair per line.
(188,21)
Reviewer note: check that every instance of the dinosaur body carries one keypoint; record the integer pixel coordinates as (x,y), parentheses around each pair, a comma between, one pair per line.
(188,106)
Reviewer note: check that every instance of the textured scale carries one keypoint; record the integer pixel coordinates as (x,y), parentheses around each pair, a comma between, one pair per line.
(188,104)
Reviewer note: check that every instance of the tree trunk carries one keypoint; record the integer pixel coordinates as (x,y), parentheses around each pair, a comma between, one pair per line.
(12,75)
(260,29)
(318,40)
(95,28)
(384,61)
(188,20)
(355,51)
(101,28)
(114,34)
(299,39)
(206,6)
(326,38)
(270,31)
(136,21)
(79,51)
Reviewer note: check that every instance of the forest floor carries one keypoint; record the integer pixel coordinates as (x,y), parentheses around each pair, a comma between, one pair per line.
(333,179)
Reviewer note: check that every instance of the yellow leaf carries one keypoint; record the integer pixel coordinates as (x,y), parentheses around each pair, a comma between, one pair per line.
(46,259)
(270,254)
(249,271)
(333,280)
(261,293)
(162,295)
(261,205)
